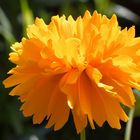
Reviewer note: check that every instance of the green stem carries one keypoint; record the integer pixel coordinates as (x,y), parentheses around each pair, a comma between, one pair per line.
(83,135)
(129,125)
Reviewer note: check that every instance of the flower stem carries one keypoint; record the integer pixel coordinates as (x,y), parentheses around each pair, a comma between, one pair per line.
(129,125)
(83,135)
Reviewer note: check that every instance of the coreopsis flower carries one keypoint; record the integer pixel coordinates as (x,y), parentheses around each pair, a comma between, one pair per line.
(87,66)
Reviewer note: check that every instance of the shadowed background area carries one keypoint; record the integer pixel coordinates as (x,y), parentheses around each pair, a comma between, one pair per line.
(14,17)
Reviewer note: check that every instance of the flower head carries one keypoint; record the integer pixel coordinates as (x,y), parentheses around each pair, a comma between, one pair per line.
(87,65)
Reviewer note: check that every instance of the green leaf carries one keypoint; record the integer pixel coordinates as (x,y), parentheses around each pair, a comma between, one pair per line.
(137,105)
(126,13)
(27,15)
(104,6)
(5,28)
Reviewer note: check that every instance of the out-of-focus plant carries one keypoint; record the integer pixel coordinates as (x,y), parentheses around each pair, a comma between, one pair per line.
(108,7)
(133,112)
(6,28)
(27,15)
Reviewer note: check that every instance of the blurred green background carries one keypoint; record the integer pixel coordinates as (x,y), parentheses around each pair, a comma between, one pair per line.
(15,15)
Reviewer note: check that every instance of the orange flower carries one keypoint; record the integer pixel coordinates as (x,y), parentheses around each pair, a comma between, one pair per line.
(87,65)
